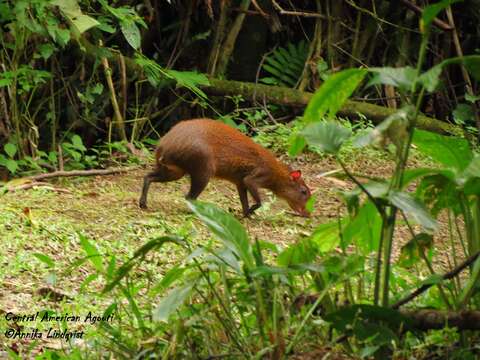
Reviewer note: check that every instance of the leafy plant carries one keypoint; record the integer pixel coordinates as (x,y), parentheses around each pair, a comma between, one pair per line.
(438,189)
(285,64)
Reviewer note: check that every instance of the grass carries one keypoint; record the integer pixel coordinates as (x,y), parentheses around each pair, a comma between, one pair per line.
(104,209)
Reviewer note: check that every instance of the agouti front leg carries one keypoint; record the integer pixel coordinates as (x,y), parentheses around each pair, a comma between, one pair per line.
(251,185)
(242,193)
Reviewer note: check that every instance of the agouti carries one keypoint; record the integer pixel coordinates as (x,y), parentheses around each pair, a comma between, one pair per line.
(204,148)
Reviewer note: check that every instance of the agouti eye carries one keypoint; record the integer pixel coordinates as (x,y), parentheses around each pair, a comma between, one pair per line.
(304,192)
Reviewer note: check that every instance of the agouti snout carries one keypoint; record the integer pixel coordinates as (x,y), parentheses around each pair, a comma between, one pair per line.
(204,148)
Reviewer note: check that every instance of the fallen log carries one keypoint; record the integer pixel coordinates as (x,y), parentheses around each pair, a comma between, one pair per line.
(285,96)
(427,319)
(295,98)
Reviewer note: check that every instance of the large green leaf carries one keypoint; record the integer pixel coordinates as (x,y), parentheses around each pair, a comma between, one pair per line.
(439,191)
(326,236)
(333,93)
(411,252)
(227,229)
(364,229)
(431,78)
(84,22)
(302,252)
(414,209)
(297,144)
(170,303)
(411,175)
(393,127)
(326,135)
(473,169)
(72,11)
(450,151)
(402,77)
(131,33)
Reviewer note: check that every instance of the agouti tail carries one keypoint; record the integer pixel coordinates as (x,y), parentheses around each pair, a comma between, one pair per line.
(204,148)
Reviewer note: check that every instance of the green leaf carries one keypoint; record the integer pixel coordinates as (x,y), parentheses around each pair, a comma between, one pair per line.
(170,303)
(6,82)
(473,169)
(62,36)
(414,209)
(92,253)
(131,33)
(172,275)
(413,174)
(333,93)
(46,50)
(364,229)
(450,151)
(47,260)
(412,251)
(11,165)
(402,77)
(10,149)
(440,191)
(191,80)
(139,255)
(431,78)
(297,144)
(226,228)
(84,22)
(393,127)
(327,135)
(430,12)
(471,98)
(326,236)
(303,252)
(78,143)
(463,113)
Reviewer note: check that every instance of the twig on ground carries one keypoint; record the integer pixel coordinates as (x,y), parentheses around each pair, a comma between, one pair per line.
(92,172)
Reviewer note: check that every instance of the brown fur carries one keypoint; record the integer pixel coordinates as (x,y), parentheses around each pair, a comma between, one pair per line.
(205,148)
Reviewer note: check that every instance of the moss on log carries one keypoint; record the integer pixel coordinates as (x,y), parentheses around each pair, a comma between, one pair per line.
(296,98)
(284,96)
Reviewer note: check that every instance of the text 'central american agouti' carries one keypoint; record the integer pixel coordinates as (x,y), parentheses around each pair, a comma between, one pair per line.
(204,148)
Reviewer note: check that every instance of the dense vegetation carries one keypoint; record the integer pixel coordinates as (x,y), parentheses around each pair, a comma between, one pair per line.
(86,88)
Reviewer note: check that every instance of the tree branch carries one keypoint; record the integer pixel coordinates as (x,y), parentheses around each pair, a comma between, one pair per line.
(446,276)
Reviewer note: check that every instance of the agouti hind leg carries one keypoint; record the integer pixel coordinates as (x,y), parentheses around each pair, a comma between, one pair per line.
(162,173)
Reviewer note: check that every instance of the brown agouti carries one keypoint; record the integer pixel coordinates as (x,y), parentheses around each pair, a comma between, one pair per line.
(204,148)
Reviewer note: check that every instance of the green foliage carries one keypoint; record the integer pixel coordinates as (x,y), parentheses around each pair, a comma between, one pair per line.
(328,136)
(449,151)
(333,93)
(285,64)
(157,76)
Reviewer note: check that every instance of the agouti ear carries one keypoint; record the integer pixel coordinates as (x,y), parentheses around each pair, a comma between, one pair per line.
(295,175)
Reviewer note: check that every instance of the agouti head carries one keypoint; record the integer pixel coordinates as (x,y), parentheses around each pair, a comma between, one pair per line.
(295,192)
